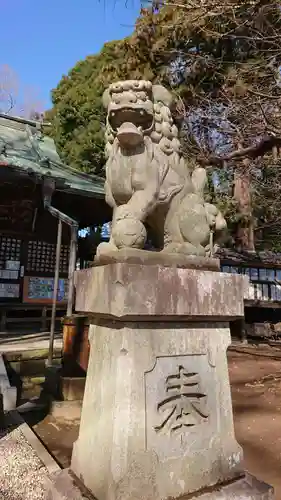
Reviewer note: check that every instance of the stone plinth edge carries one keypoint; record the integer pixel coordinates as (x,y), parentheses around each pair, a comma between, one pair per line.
(148,258)
(133,291)
(49,462)
(9,393)
(246,488)
(63,485)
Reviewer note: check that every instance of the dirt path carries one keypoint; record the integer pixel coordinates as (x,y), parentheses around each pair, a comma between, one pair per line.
(59,430)
(256,396)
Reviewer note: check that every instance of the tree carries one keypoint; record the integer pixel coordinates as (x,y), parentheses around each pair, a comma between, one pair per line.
(16,98)
(222,61)
(78,116)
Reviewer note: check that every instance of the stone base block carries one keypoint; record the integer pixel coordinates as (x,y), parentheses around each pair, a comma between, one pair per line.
(164,259)
(64,486)
(157,419)
(9,398)
(9,393)
(246,488)
(118,290)
(73,388)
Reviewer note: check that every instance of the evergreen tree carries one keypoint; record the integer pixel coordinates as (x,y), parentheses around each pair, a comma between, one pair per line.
(222,61)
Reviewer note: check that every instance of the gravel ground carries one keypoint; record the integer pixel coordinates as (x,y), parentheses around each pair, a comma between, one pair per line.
(22,474)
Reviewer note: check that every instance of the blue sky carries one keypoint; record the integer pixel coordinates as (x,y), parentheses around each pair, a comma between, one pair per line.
(41,40)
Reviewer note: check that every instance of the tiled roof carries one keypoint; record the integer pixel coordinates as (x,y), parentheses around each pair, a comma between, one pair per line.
(249,258)
(24,147)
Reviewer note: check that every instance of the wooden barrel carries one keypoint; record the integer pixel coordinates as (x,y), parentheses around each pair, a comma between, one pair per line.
(84,353)
(69,334)
(75,345)
(69,340)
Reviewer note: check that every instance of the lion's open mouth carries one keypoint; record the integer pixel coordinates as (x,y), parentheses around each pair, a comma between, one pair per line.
(139,117)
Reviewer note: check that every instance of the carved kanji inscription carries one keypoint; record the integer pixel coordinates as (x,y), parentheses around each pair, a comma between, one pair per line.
(184,405)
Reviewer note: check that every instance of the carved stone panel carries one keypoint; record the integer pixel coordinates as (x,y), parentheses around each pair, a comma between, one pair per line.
(183,405)
(180,409)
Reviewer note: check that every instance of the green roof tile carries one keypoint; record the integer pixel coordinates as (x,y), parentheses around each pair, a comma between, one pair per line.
(23,147)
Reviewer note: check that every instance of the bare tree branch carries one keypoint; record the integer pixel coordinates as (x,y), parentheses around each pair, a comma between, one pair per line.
(15,97)
(255,151)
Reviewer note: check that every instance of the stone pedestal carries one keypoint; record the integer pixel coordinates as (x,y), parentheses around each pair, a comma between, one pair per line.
(157,414)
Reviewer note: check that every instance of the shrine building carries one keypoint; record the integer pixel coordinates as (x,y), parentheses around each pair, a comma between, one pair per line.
(43,204)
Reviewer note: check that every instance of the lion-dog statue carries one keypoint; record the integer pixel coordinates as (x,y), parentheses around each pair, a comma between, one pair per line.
(148,182)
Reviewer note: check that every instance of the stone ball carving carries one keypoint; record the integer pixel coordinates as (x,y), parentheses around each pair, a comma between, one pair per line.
(129,233)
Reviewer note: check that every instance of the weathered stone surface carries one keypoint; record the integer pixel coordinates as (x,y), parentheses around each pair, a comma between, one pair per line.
(9,393)
(246,488)
(154,292)
(138,374)
(157,418)
(2,416)
(63,486)
(147,178)
(73,388)
(163,259)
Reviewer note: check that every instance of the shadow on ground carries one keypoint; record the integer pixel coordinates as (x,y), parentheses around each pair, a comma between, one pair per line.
(256,396)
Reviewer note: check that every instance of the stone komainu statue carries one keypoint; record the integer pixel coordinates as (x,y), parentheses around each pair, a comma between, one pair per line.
(148,182)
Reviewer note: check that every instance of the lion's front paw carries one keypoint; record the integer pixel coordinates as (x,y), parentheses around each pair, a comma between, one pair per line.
(105,249)
(185,249)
